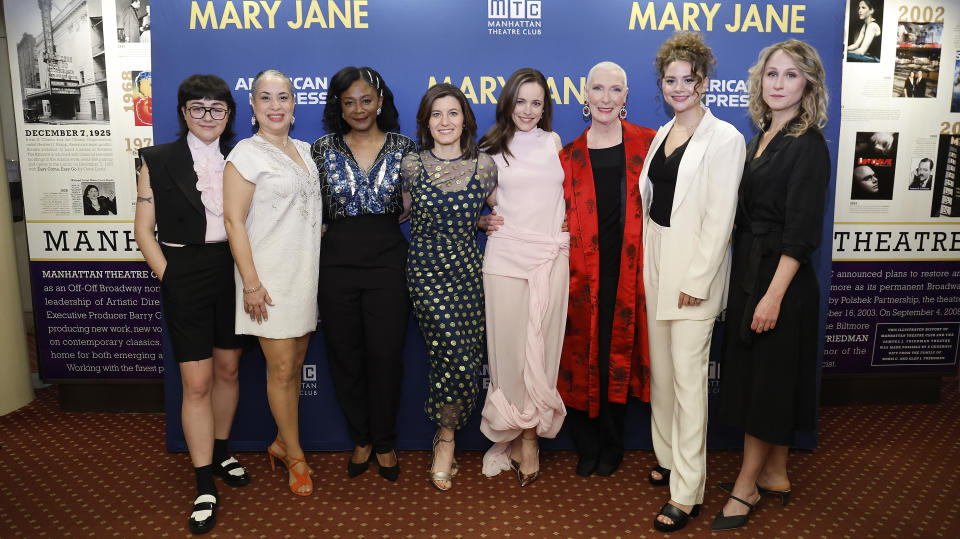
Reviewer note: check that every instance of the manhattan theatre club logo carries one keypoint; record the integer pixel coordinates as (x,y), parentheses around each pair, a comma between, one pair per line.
(514,17)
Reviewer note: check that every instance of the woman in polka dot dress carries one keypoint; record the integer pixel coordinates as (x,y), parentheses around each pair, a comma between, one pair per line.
(447,183)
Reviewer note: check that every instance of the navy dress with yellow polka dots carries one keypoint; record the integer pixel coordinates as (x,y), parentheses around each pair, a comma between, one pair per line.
(444,275)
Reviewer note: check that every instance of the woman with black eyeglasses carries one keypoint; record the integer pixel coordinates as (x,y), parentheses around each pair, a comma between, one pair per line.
(180,195)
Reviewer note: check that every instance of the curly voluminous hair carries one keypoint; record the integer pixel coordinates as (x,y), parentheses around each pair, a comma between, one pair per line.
(813,104)
(685,47)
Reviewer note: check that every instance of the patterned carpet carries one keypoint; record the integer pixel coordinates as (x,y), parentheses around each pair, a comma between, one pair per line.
(882,471)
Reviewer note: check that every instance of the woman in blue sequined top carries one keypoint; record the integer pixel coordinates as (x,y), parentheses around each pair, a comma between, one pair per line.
(364,306)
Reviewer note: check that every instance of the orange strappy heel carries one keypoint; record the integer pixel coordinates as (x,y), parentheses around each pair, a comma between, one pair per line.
(272,455)
(301,478)
(289,463)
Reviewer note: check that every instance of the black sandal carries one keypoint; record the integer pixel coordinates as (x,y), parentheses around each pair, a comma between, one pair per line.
(664,476)
(200,520)
(675,514)
(224,468)
(723,522)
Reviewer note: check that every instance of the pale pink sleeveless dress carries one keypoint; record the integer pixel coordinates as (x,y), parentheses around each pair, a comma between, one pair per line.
(525,282)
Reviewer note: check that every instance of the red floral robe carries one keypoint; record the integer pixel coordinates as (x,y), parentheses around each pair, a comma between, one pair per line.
(579,380)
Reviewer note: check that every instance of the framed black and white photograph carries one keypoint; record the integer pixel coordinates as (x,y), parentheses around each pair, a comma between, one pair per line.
(99,198)
(60,56)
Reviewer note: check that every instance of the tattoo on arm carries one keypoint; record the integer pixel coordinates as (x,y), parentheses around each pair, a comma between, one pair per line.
(148,200)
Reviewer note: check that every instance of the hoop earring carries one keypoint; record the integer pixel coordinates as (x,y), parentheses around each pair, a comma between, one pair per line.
(586,112)
(623,113)
(378,111)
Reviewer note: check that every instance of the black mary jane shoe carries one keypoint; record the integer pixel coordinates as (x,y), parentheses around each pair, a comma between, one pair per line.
(784,495)
(223,470)
(664,476)
(204,515)
(356,468)
(675,514)
(723,522)
(390,473)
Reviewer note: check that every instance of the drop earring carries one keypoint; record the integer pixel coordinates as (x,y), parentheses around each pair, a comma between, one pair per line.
(292,120)
(586,112)
(253,120)
(378,111)
(623,113)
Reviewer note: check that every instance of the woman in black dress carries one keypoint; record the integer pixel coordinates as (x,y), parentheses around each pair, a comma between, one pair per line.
(362,292)
(768,374)
(94,204)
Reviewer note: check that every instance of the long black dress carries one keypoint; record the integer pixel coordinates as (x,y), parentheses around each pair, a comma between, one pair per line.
(768,381)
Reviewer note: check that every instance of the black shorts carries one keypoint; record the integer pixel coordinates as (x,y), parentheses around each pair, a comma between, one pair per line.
(199,302)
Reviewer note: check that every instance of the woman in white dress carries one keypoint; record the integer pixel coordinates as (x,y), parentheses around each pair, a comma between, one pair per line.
(272,213)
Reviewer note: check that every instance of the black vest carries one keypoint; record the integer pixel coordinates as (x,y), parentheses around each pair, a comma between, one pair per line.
(179,211)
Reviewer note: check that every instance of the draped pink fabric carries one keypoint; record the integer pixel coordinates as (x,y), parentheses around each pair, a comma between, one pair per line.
(529,255)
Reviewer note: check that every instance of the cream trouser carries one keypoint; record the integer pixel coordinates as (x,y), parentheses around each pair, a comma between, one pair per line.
(679,357)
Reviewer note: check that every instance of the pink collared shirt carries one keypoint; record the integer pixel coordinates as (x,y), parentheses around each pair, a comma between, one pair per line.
(208,163)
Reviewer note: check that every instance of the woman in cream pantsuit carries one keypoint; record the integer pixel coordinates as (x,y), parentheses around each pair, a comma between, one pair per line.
(689,188)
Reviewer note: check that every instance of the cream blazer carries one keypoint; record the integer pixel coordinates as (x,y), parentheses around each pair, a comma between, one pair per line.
(695,248)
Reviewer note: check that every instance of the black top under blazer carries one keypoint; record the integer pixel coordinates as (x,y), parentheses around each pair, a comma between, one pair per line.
(179,211)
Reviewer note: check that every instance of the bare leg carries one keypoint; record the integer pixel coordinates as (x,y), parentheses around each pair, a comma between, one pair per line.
(529,452)
(226,389)
(773,476)
(443,455)
(196,413)
(361,453)
(755,454)
(284,361)
(387,460)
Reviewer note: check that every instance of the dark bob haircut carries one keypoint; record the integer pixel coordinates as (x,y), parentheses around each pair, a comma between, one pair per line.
(207,87)
(333,122)
(468,138)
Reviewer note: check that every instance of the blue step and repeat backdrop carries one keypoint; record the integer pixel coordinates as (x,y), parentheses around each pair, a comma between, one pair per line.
(96,79)
(474,44)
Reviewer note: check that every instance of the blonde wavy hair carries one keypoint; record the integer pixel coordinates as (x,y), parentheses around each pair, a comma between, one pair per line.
(813,104)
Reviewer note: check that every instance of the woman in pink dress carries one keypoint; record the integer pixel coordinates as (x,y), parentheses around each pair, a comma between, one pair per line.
(525,279)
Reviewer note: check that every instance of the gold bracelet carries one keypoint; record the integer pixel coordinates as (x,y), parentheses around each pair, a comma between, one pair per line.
(252,290)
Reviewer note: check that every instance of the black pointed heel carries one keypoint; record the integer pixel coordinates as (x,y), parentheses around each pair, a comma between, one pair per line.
(783,494)
(723,522)
(356,468)
(390,473)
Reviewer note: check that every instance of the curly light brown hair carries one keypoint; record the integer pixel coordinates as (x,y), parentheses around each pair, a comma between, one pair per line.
(685,47)
(813,104)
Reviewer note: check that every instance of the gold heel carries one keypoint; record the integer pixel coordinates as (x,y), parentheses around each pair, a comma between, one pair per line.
(526,479)
(439,476)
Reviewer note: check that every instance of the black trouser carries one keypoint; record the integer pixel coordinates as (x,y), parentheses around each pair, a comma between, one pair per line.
(364,314)
(601,437)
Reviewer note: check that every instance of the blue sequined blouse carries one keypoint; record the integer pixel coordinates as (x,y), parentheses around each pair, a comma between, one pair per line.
(348,190)
(361,208)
